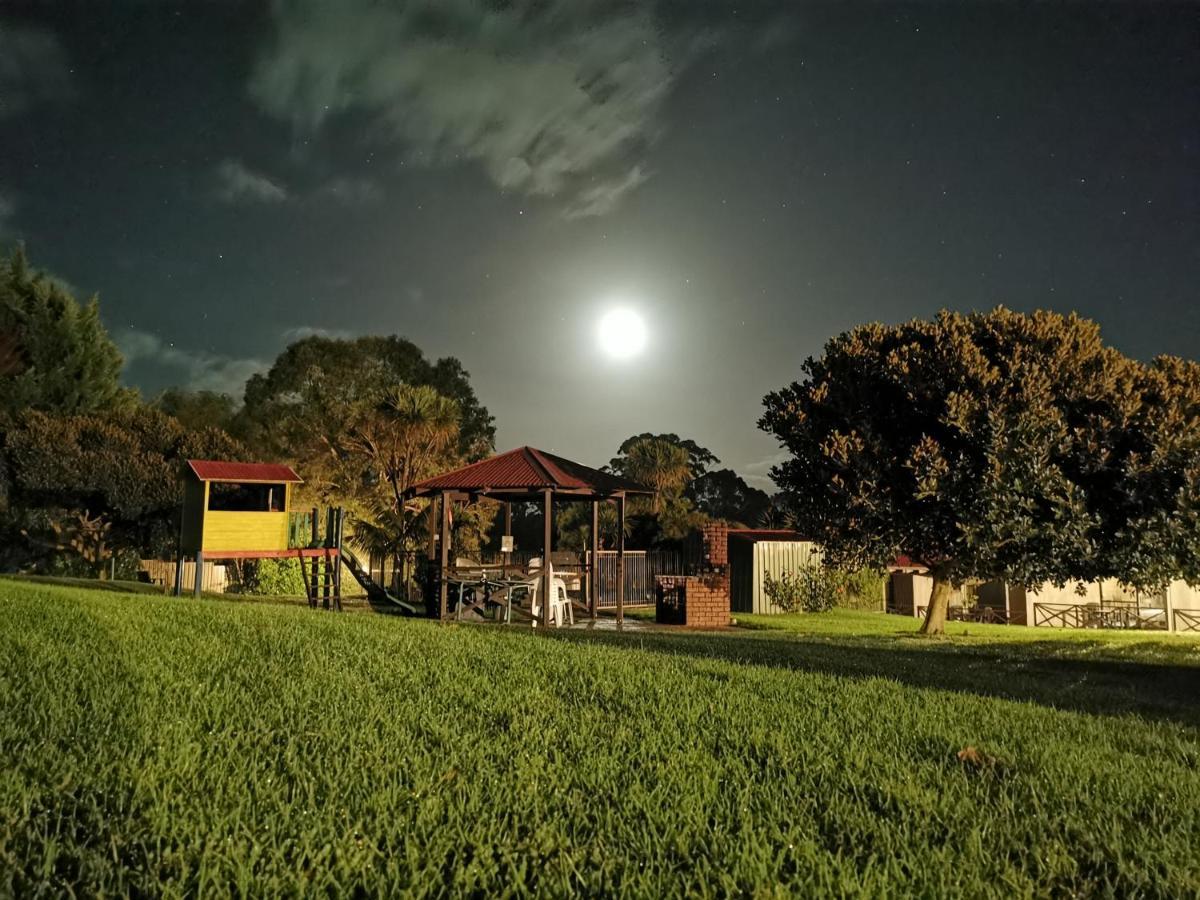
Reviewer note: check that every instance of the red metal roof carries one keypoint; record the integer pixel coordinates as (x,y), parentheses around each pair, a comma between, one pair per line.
(528,469)
(766,534)
(904,561)
(214,470)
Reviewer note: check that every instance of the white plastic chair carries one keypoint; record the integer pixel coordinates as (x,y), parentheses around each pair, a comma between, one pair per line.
(560,602)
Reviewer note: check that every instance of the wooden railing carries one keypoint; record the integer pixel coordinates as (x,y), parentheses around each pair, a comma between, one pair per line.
(1187,620)
(1091,615)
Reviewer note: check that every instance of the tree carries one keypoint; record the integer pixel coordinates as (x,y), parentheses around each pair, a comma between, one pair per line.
(198,409)
(410,434)
(993,445)
(318,386)
(723,494)
(699,458)
(55,355)
(118,474)
(656,463)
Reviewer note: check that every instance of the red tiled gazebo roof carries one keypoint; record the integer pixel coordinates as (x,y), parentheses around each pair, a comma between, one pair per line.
(214,470)
(526,473)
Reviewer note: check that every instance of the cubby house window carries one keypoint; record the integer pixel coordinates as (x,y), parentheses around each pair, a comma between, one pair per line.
(229,496)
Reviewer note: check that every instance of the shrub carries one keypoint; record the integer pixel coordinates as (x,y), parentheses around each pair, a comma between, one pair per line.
(817,588)
(268,578)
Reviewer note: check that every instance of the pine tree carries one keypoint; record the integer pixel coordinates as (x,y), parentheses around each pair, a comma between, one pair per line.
(57,357)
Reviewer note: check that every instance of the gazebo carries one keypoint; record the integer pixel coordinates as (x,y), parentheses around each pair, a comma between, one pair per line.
(529,475)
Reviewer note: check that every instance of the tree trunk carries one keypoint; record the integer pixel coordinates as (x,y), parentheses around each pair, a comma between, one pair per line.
(939,602)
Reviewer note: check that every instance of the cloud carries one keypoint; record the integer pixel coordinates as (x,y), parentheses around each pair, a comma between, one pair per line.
(198,370)
(350,191)
(604,197)
(757,474)
(299,333)
(33,69)
(8,210)
(546,95)
(238,184)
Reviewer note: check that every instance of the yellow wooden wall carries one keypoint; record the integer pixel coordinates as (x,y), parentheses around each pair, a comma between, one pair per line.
(221,530)
(245,530)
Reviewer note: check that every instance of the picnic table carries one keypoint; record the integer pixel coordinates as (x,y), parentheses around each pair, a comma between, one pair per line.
(480,585)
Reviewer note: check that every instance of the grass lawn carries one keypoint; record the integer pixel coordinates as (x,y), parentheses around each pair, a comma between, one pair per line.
(171,745)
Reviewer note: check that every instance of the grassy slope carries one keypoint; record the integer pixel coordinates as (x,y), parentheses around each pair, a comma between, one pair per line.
(155,744)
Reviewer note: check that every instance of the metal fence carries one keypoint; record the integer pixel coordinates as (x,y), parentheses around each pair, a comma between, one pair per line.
(641,568)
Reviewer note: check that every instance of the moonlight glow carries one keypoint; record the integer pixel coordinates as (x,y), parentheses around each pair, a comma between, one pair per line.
(622,333)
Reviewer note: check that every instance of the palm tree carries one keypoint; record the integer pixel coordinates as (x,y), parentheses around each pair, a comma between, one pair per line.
(658,464)
(409,435)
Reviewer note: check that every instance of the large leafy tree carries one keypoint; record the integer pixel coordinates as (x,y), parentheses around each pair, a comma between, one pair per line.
(994,445)
(699,459)
(723,494)
(409,434)
(665,464)
(116,474)
(55,355)
(319,386)
(198,409)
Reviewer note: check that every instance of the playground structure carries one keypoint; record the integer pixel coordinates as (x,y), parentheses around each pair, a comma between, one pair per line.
(238,511)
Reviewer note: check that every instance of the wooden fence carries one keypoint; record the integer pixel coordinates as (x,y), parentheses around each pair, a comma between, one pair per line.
(1091,615)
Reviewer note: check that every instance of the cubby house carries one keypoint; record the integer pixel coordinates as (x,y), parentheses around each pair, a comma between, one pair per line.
(235,510)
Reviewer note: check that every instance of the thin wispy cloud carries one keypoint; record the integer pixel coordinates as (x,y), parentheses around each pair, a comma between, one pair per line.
(547,97)
(33,69)
(195,370)
(8,211)
(291,335)
(237,183)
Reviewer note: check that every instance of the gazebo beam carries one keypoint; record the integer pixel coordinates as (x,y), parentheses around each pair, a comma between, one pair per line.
(593,570)
(620,560)
(547,521)
(444,587)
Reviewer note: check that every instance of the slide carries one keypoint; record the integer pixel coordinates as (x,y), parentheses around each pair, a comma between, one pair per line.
(376,594)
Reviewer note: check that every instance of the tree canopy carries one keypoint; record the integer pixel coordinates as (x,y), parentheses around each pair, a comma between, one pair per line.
(699,459)
(55,355)
(723,494)
(994,445)
(318,385)
(120,469)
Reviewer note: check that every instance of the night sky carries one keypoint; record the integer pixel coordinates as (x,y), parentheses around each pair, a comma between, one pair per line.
(488,178)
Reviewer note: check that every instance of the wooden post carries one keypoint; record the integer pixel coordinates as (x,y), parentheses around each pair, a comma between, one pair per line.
(444,589)
(179,573)
(315,535)
(620,560)
(199,580)
(337,560)
(328,578)
(594,568)
(507,557)
(433,527)
(547,522)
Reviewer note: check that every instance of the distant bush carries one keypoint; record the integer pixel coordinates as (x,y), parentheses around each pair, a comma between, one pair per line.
(268,578)
(817,588)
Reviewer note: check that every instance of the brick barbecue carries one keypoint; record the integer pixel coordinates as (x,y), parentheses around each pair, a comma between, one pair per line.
(699,600)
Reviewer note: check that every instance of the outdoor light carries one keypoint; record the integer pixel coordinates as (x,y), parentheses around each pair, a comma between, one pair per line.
(622,333)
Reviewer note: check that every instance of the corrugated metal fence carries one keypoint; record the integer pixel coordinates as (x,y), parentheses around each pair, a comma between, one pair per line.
(749,564)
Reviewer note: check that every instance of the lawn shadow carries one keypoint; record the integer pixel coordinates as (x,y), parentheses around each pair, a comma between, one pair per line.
(1046,672)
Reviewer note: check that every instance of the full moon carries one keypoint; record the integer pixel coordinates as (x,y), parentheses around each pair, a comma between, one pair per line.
(622,333)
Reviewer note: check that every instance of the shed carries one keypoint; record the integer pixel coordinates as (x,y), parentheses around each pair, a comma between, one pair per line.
(236,509)
(754,552)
